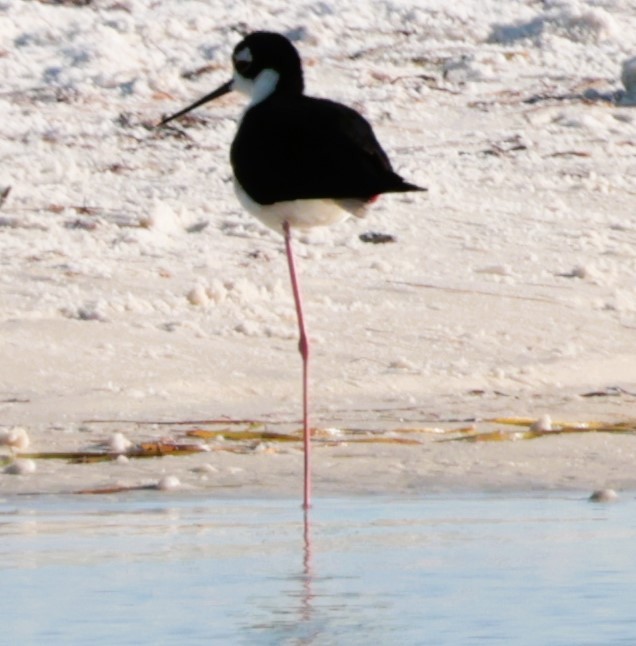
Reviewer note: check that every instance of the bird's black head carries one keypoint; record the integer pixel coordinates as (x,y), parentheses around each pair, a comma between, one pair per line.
(267,52)
(264,63)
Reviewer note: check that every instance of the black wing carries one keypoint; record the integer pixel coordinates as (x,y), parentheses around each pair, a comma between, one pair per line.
(291,148)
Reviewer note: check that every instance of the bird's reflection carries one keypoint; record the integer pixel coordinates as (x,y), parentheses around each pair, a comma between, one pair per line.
(308,573)
(293,613)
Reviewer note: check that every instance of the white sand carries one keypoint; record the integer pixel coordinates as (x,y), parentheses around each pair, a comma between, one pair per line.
(134,287)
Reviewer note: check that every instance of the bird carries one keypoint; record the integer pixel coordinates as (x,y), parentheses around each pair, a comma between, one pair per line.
(298,162)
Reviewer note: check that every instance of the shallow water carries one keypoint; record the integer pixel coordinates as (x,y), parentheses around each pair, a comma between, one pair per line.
(161,569)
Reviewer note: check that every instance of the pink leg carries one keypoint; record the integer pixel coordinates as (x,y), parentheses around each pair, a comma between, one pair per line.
(303,346)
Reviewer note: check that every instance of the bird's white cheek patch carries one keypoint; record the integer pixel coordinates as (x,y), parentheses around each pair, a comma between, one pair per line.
(257,89)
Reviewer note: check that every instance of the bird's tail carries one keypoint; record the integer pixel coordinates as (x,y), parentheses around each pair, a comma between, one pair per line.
(405,187)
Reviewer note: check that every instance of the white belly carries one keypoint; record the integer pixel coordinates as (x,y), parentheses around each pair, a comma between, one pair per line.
(301,214)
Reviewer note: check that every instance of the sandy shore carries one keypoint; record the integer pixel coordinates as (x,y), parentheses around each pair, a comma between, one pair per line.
(134,288)
(263,459)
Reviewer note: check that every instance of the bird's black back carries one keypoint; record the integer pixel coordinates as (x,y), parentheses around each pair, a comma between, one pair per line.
(299,147)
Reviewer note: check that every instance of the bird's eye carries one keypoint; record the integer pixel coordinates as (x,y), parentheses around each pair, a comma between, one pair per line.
(242,66)
(242,60)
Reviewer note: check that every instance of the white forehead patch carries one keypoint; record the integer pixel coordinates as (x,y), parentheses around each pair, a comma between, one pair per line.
(244,55)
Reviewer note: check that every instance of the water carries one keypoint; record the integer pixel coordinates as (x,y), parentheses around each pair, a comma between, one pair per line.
(549,570)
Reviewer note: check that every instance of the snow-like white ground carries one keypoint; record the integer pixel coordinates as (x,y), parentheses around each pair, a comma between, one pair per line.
(132,286)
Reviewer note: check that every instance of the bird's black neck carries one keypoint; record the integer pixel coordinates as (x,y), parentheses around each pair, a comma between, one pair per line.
(291,83)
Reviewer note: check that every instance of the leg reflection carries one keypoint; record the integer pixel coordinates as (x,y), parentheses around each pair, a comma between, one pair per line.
(307,567)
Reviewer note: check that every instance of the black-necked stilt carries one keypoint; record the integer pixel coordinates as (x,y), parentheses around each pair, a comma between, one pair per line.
(298,161)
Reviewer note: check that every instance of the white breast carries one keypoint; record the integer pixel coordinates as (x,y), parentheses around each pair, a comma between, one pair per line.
(301,214)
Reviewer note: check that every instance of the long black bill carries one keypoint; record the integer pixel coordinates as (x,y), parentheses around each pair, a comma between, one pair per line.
(224,89)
